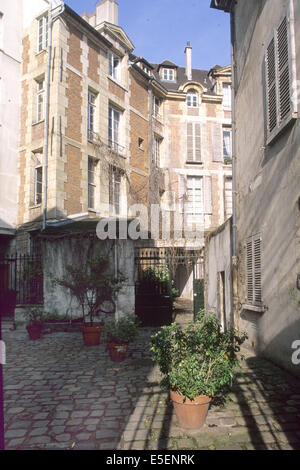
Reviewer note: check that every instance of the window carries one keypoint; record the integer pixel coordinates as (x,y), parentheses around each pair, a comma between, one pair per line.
(157,107)
(228,197)
(193,142)
(227,144)
(115,190)
(114,128)
(114,66)
(281,104)
(226,96)
(38,185)
(192,98)
(40,100)
(253,270)
(194,204)
(91,114)
(157,151)
(168,74)
(42,33)
(91,182)
(140,143)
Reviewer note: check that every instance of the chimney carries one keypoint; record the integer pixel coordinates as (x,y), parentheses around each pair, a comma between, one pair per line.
(188,61)
(108,10)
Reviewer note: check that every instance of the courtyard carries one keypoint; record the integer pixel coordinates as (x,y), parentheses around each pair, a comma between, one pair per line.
(60,394)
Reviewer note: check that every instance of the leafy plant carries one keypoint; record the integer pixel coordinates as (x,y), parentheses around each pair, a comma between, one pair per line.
(35,316)
(158,279)
(199,360)
(123,330)
(93,287)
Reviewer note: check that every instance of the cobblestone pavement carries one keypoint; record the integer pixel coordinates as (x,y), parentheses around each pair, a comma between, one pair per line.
(60,394)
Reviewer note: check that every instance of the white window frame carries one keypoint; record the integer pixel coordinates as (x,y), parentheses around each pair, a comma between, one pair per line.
(169,74)
(38,195)
(114,128)
(114,66)
(281,108)
(226,89)
(40,99)
(157,103)
(157,150)
(194,213)
(92,164)
(192,99)
(42,33)
(115,192)
(92,103)
(227,131)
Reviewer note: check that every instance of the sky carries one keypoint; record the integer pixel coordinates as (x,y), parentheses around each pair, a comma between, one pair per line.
(160,29)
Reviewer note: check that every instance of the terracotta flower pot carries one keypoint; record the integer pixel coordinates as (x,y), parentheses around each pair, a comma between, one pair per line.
(34,331)
(190,414)
(91,335)
(117,351)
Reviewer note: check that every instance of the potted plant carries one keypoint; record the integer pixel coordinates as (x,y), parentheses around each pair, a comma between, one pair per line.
(95,290)
(35,318)
(118,333)
(197,363)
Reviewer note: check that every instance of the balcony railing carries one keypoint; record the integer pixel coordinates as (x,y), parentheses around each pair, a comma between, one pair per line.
(116,148)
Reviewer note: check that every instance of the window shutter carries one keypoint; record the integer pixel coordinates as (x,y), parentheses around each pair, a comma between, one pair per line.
(207,195)
(249,270)
(253,268)
(193,142)
(283,70)
(271,86)
(190,142)
(197,128)
(217,141)
(257,268)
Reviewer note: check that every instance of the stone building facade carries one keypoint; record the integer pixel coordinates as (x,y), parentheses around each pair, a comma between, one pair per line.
(102,130)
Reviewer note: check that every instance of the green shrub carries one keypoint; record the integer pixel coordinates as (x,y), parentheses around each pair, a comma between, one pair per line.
(123,330)
(199,360)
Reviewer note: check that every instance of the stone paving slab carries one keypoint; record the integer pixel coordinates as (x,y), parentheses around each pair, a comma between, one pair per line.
(60,394)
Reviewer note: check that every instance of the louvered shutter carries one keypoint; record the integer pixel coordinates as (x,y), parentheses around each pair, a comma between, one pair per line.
(217,142)
(190,142)
(193,142)
(257,269)
(271,86)
(207,194)
(283,70)
(197,129)
(253,268)
(249,270)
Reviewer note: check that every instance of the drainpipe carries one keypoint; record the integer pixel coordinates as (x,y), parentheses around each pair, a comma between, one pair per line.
(234,192)
(51,20)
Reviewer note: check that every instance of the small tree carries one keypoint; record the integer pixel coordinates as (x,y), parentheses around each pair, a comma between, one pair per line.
(92,286)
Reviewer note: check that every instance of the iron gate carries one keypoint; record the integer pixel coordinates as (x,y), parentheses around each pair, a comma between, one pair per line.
(21,281)
(155,289)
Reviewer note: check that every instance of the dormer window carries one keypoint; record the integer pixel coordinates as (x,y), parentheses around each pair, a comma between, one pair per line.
(192,98)
(168,74)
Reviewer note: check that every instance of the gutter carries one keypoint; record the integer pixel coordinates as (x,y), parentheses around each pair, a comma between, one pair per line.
(51,20)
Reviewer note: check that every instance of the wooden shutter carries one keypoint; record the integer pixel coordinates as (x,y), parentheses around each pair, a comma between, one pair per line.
(253,269)
(193,142)
(217,142)
(271,86)
(249,270)
(207,195)
(257,268)
(190,142)
(284,89)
